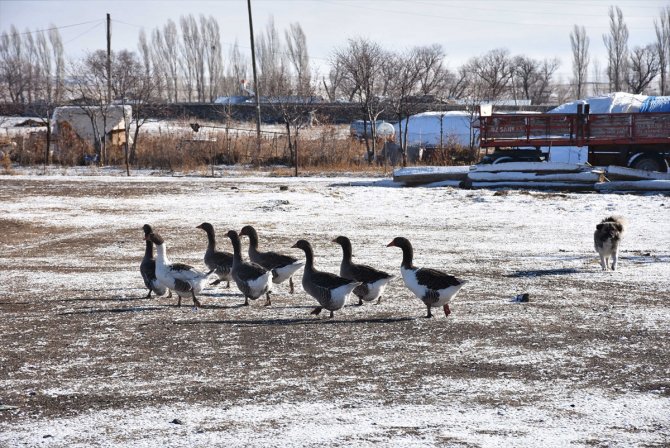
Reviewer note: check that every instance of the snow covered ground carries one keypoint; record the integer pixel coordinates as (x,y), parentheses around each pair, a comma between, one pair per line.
(87,361)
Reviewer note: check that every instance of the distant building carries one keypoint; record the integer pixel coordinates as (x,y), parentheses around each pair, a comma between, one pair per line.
(86,123)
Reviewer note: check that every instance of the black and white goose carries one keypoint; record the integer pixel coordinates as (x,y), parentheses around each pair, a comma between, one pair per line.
(148,267)
(252,279)
(373,280)
(434,288)
(219,262)
(181,278)
(282,266)
(330,290)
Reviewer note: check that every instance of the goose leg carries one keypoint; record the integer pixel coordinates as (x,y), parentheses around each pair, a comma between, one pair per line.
(179,301)
(215,282)
(429,315)
(268,302)
(246,301)
(332,315)
(316,311)
(360,301)
(196,302)
(228,284)
(148,295)
(447,311)
(290,284)
(169,294)
(379,300)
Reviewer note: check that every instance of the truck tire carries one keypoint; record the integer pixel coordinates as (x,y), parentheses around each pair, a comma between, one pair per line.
(648,162)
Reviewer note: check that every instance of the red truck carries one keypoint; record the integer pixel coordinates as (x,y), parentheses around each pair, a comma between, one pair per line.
(634,140)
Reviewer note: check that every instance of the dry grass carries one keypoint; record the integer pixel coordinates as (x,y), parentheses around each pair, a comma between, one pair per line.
(319,149)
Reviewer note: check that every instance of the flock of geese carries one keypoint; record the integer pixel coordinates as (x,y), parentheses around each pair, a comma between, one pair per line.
(254,278)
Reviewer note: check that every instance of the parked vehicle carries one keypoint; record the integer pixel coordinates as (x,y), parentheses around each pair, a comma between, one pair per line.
(634,140)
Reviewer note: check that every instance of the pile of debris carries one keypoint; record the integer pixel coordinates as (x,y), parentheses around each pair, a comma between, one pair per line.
(537,175)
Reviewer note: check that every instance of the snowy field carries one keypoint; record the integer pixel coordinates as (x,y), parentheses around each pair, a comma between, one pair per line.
(86,361)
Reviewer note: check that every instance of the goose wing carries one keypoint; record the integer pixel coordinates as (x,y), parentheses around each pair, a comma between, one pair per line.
(367,274)
(250,271)
(328,280)
(434,279)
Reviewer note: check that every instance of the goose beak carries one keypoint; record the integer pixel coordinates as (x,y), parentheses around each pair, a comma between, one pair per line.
(391,244)
(295,246)
(146,237)
(199,226)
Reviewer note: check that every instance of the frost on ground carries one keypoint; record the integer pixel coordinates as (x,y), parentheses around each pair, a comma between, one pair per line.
(87,361)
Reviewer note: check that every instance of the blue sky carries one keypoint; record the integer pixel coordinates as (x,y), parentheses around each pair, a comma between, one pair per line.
(535,28)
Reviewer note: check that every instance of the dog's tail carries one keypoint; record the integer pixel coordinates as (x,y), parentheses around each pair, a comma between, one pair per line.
(621,222)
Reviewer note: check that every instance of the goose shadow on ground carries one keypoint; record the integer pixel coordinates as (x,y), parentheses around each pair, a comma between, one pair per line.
(544,272)
(295,321)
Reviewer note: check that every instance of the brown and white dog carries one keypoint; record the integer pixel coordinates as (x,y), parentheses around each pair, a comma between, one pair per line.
(606,240)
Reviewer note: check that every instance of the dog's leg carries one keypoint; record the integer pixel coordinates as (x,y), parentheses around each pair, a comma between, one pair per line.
(603,262)
(615,259)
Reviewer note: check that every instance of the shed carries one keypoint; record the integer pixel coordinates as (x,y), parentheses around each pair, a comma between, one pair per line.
(83,120)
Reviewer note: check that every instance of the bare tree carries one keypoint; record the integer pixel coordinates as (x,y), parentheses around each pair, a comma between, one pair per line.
(662,29)
(616,44)
(362,64)
(272,77)
(192,61)
(493,72)
(412,75)
(296,43)
(333,85)
(213,56)
(579,42)
(50,73)
(165,59)
(643,64)
(88,85)
(237,70)
(13,65)
(405,75)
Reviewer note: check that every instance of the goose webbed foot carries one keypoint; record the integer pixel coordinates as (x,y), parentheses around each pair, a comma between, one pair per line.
(316,310)
(246,301)
(447,311)
(268,301)
(379,300)
(148,296)
(429,314)
(215,282)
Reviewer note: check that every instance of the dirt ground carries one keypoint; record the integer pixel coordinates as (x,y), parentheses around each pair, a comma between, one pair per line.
(85,360)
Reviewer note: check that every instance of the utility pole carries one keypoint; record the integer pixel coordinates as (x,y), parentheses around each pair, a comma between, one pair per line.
(256,91)
(109,58)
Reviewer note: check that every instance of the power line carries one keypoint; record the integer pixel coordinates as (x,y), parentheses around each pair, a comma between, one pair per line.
(59,27)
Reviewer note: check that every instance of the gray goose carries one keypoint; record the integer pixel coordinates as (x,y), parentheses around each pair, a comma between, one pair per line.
(148,267)
(219,262)
(434,288)
(373,281)
(252,279)
(330,290)
(181,278)
(282,266)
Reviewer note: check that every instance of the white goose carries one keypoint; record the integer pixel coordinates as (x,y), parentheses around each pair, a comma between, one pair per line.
(434,288)
(181,278)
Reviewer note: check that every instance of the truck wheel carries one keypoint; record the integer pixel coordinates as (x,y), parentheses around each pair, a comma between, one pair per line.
(649,162)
